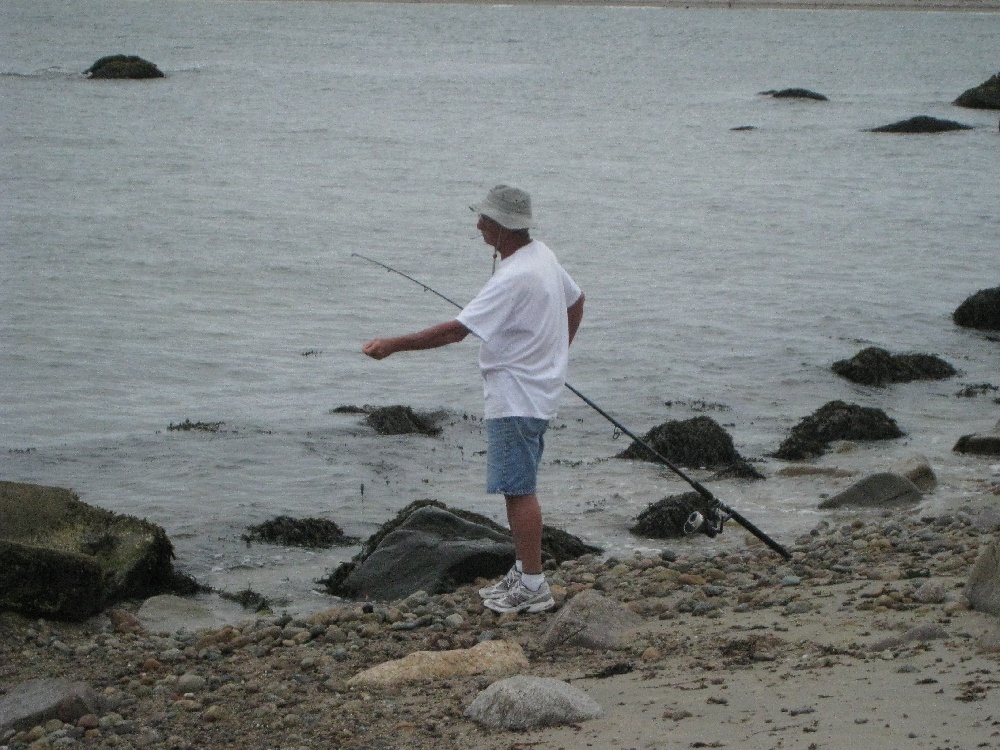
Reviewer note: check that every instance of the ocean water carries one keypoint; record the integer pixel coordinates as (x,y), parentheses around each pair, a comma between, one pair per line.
(181,249)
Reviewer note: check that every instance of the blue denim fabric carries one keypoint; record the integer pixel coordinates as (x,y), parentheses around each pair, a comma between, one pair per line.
(513,454)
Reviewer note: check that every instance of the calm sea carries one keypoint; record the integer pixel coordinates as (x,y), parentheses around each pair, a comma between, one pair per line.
(181,249)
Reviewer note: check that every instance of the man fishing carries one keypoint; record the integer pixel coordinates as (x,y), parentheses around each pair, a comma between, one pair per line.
(525,317)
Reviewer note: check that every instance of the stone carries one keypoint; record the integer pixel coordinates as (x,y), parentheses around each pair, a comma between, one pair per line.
(836,420)
(921,124)
(984,96)
(123,66)
(36,701)
(430,547)
(980,445)
(919,471)
(312,533)
(665,519)
(983,587)
(64,559)
(520,703)
(980,311)
(881,490)
(402,420)
(699,442)
(591,620)
(167,613)
(494,657)
(876,366)
(795,93)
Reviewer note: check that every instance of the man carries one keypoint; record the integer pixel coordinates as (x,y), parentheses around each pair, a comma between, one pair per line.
(525,317)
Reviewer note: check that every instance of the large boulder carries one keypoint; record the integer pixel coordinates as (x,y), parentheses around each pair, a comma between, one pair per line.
(883,490)
(980,311)
(836,420)
(921,124)
(876,366)
(699,442)
(123,66)
(65,559)
(984,96)
(430,547)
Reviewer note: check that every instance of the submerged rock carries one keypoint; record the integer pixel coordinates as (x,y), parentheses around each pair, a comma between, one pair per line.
(65,559)
(881,490)
(836,420)
(698,442)
(921,124)
(984,96)
(123,66)
(876,366)
(980,445)
(980,311)
(402,420)
(795,93)
(315,533)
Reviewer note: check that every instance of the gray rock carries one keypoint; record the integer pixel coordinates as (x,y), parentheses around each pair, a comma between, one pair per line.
(521,703)
(876,491)
(980,445)
(980,311)
(983,587)
(918,634)
(36,701)
(591,620)
(432,549)
(171,614)
(921,124)
(984,96)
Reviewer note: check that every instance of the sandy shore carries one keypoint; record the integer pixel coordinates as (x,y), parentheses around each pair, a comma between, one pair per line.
(863,640)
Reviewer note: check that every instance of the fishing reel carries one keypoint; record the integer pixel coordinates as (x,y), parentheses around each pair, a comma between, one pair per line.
(709,523)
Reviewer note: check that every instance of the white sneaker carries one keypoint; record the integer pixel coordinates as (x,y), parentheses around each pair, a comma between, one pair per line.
(502,586)
(522,599)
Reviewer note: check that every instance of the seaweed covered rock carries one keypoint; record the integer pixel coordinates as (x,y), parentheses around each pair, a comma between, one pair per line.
(315,533)
(883,490)
(921,124)
(430,547)
(795,93)
(402,420)
(65,559)
(665,518)
(123,66)
(698,442)
(876,366)
(980,445)
(984,96)
(980,311)
(836,420)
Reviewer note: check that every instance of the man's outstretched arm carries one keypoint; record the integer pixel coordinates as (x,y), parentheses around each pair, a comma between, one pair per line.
(430,338)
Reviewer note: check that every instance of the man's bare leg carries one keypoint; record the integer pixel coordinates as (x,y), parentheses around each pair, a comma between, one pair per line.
(525,518)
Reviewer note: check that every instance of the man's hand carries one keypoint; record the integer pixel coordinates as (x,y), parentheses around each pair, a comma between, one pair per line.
(377,348)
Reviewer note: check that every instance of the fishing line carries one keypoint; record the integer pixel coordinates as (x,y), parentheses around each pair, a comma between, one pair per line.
(711,525)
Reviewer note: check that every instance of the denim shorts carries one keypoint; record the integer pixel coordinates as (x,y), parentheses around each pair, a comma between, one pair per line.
(513,453)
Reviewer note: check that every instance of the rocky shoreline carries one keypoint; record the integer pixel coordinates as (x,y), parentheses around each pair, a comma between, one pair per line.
(869,589)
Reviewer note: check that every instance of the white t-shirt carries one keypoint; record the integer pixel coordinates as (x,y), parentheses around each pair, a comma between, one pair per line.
(520,317)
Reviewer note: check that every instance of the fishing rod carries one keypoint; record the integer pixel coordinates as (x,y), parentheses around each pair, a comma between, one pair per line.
(719,513)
